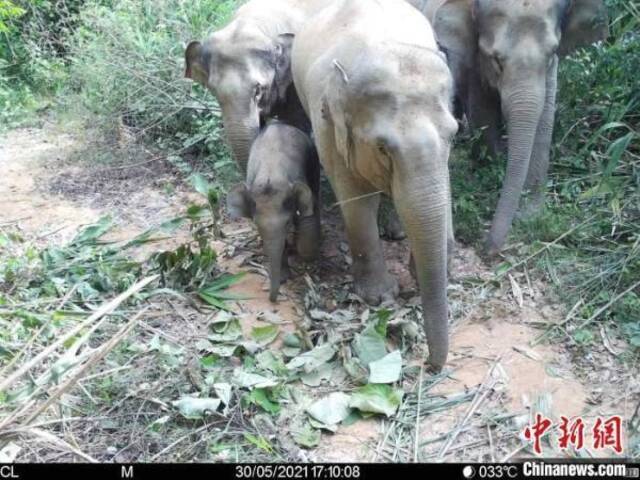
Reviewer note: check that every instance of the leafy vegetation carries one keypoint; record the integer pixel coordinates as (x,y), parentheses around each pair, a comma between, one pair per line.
(587,237)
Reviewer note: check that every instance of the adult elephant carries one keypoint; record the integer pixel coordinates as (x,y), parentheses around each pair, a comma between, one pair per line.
(378,90)
(236,65)
(504,56)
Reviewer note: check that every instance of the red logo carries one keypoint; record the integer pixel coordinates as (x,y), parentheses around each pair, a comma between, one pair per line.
(536,431)
(572,433)
(606,433)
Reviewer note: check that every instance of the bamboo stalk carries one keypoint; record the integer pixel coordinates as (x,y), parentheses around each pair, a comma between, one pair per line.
(101,353)
(104,310)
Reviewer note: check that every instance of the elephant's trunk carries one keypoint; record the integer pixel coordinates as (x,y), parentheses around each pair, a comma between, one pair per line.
(421,202)
(274,249)
(241,129)
(522,110)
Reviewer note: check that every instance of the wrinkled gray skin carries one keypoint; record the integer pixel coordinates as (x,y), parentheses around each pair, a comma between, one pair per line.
(377,91)
(504,58)
(281,190)
(236,64)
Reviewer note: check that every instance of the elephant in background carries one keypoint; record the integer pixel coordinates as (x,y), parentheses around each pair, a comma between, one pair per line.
(378,93)
(236,64)
(504,58)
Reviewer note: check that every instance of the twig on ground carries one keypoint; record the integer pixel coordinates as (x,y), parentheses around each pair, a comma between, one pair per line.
(606,307)
(417,431)
(485,388)
(58,442)
(100,313)
(101,353)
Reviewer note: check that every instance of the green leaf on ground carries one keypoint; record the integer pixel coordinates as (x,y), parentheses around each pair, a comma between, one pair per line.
(369,345)
(317,376)
(330,410)
(323,426)
(223,391)
(265,335)
(306,436)
(312,359)
(260,397)
(226,332)
(252,380)
(377,398)
(387,369)
(259,442)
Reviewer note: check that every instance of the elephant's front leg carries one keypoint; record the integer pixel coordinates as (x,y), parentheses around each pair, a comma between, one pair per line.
(372,280)
(308,234)
(359,205)
(539,166)
(390,221)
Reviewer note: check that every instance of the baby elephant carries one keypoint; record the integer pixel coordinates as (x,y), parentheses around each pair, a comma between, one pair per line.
(282,188)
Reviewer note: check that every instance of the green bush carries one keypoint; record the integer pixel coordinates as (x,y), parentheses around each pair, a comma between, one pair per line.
(33,35)
(127,69)
(596,174)
(593,205)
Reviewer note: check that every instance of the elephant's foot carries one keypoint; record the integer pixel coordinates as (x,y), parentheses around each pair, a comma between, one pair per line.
(531,207)
(492,247)
(376,288)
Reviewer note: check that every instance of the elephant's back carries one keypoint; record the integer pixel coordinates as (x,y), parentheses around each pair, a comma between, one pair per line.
(277,16)
(360,38)
(377,20)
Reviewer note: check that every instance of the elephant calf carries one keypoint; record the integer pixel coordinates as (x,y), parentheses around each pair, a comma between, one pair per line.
(282,188)
(378,92)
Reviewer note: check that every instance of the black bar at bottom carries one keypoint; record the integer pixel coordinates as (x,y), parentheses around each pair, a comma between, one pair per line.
(465,471)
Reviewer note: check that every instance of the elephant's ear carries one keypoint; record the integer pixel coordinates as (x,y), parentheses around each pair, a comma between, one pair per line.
(454,24)
(304,199)
(585,22)
(276,93)
(197,67)
(239,202)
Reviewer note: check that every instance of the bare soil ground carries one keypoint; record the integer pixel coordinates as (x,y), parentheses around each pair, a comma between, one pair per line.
(495,358)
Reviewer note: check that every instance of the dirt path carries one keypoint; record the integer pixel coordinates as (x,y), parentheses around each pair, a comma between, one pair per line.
(490,334)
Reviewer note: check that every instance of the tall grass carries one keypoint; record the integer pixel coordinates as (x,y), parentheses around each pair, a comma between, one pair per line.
(127,68)
(596,180)
(593,203)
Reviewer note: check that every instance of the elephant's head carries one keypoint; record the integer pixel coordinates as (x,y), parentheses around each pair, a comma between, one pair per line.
(518,47)
(272,208)
(516,44)
(519,39)
(244,72)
